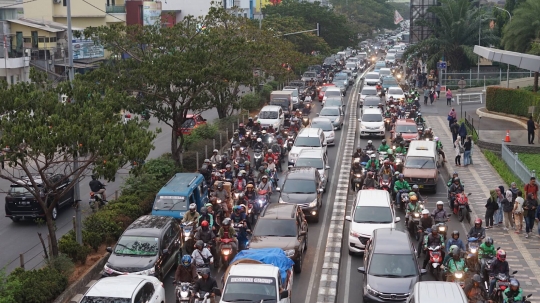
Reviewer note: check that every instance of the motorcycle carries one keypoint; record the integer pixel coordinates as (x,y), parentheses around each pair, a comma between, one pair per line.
(488,263)
(305,121)
(387,124)
(257,156)
(183,291)
(238,226)
(458,277)
(501,284)
(460,206)
(227,252)
(400,159)
(262,199)
(471,258)
(443,228)
(435,261)
(187,237)
(404,199)
(414,222)
(204,297)
(96,201)
(385,182)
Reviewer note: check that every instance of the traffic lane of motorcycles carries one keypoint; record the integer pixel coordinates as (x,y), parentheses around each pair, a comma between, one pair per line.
(352,285)
(301,281)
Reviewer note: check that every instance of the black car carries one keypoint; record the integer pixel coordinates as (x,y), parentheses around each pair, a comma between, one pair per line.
(21,204)
(303,186)
(149,246)
(391,268)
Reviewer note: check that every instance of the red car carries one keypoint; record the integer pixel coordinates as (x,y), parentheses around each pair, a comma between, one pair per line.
(192,121)
(407,128)
(323,90)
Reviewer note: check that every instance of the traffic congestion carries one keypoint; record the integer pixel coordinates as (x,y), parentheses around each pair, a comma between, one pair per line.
(248,227)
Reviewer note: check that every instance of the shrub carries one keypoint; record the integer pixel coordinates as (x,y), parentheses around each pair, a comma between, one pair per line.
(502,169)
(204,132)
(69,246)
(62,264)
(265,92)
(250,101)
(273,84)
(162,168)
(103,223)
(35,286)
(92,239)
(498,99)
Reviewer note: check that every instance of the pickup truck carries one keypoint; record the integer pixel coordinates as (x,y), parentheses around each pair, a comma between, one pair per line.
(258,275)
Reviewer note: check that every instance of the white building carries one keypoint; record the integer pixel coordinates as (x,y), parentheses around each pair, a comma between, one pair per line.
(14,59)
(244,8)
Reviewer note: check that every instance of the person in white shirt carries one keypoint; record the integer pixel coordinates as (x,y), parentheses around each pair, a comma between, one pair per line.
(201,255)
(215,159)
(518,211)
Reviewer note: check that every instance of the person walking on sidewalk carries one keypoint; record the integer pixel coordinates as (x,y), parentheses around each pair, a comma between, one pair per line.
(454,128)
(438,90)
(472,145)
(498,217)
(452,116)
(508,208)
(531,127)
(467,151)
(458,148)
(491,207)
(426,94)
(529,212)
(449,97)
(432,95)
(463,132)
(518,212)
(532,188)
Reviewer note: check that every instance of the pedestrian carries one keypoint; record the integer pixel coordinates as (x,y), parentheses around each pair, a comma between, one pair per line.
(518,212)
(458,148)
(508,209)
(454,128)
(532,188)
(491,207)
(462,132)
(529,212)
(531,127)
(472,147)
(514,189)
(467,151)
(426,95)
(448,97)
(432,95)
(438,90)
(498,217)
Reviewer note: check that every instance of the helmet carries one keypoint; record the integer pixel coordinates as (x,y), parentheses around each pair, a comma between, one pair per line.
(452,249)
(220,184)
(415,187)
(434,229)
(215,151)
(199,244)
(186,261)
(383,141)
(514,282)
(226,221)
(425,212)
(264,177)
(455,232)
(192,206)
(386,161)
(358,148)
(412,194)
(227,166)
(264,131)
(250,118)
(400,176)
(270,150)
(241,125)
(204,211)
(478,221)
(259,140)
(237,207)
(249,186)
(258,122)
(476,278)
(369,142)
(372,156)
(205,271)
(456,252)
(242,172)
(206,160)
(204,223)
(440,203)
(390,152)
(94,177)
(501,255)
(208,205)
(419,114)
(413,198)
(370,174)
(436,139)
(489,241)
(456,179)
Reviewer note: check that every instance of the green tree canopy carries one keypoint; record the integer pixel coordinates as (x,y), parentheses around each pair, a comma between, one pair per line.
(524,27)
(365,16)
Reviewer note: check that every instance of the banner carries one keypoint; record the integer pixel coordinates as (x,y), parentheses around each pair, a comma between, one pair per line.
(151,12)
(397,17)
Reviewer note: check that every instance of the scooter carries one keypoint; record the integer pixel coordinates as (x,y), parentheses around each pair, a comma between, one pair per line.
(471,258)
(257,156)
(460,206)
(204,297)
(187,237)
(435,260)
(227,252)
(96,201)
(414,219)
(502,283)
(183,291)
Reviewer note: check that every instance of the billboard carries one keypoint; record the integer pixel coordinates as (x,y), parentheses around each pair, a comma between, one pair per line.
(85,49)
(151,12)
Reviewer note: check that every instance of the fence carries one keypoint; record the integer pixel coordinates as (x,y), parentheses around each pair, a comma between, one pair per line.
(483,78)
(469,123)
(470,98)
(516,166)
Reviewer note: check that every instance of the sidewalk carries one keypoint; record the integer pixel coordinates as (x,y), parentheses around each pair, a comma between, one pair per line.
(480,178)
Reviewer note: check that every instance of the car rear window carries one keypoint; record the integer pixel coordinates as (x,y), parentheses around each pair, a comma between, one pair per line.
(406,129)
(307,142)
(372,76)
(369,91)
(275,228)
(310,162)
(325,126)
(395,91)
(18,190)
(299,186)
(327,111)
(332,93)
(371,118)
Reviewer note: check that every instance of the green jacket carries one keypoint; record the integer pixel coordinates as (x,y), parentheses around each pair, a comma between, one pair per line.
(517,297)
(368,165)
(401,150)
(399,185)
(189,217)
(454,266)
(383,148)
(439,145)
(449,183)
(486,250)
(232,232)
(413,208)
(387,114)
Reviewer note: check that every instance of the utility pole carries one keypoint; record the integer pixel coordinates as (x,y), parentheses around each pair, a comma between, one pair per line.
(71,75)
(508,65)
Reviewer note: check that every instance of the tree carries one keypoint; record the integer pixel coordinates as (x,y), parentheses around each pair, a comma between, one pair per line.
(44,135)
(455,34)
(365,16)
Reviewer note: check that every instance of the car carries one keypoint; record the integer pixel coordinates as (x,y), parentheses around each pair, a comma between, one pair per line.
(389,81)
(317,159)
(21,203)
(350,76)
(271,115)
(309,75)
(307,138)
(372,79)
(282,225)
(303,186)
(379,65)
(332,92)
(148,247)
(372,122)
(334,101)
(372,101)
(353,67)
(396,92)
(372,209)
(315,68)
(391,57)
(329,62)
(335,114)
(362,55)
(384,72)
(295,96)
(327,127)
(390,268)
(407,128)
(323,89)
(341,80)
(437,291)
(368,91)
(192,122)
(125,289)
(421,166)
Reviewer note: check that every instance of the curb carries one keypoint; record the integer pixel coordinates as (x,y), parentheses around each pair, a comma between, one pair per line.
(498,116)
(79,285)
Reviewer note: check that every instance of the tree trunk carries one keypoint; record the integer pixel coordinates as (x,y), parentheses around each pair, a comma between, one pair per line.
(176,149)
(222,112)
(535,83)
(52,233)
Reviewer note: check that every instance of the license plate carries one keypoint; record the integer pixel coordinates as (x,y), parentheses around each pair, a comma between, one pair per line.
(420,186)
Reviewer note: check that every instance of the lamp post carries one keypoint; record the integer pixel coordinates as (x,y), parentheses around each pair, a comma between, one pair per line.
(508,65)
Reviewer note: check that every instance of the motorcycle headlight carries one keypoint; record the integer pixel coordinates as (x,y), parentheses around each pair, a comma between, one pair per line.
(442,228)
(184,294)
(261,202)
(226,251)
(416,215)
(313,204)
(293,155)
(219,201)
(473,250)
(357,175)
(458,275)
(289,253)
(236,195)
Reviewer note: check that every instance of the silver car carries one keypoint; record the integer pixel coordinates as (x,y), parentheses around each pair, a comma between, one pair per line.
(335,114)
(327,127)
(315,158)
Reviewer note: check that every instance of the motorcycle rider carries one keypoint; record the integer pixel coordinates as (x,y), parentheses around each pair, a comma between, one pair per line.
(201,255)
(457,263)
(498,266)
(455,188)
(416,191)
(486,249)
(476,293)
(358,153)
(265,185)
(426,221)
(215,159)
(433,240)
(258,145)
(269,155)
(370,182)
(241,130)
(400,186)
(428,134)
(206,284)
(384,147)
(439,214)
(514,292)
(295,125)
(412,207)
(240,183)
(250,194)
(401,149)
(226,231)
(250,123)
(270,129)
(237,152)
(239,217)
(235,139)
(373,163)
(97,187)
(228,175)
(419,119)
(455,240)
(387,170)
(451,180)
(222,195)
(370,146)
(440,148)
(192,216)
(205,216)
(218,211)
(256,127)
(204,233)
(187,272)
(477,231)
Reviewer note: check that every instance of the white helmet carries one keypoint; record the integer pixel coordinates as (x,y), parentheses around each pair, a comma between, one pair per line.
(440,203)
(264,131)
(216,151)
(259,140)
(369,142)
(192,206)
(425,212)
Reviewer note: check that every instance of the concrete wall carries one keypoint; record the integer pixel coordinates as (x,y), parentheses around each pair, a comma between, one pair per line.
(523,82)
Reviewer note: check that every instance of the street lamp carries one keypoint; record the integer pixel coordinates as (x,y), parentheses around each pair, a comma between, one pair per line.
(508,65)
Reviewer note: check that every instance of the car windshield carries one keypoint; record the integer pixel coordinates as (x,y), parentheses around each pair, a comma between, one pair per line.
(310,75)
(88,299)
(371,118)
(18,191)
(420,162)
(252,289)
(340,77)
(384,72)
(395,91)
(350,65)
(135,245)
(369,91)
(389,82)
(392,266)
(171,203)
(332,102)
(268,115)
(310,162)
(372,214)
(332,93)
(275,228)
(307,142)
(406,129)
(372,102)
(325,126)
(189,123)
(299,186)
(372,76)
(328,111)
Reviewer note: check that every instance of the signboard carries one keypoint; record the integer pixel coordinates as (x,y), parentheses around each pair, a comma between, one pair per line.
(441,65)
(85,49)
(462,83)
(151,12)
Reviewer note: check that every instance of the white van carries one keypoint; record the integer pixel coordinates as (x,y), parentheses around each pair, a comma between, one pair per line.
(437,291)
(372,122)
(372,210)
(307,138)
(271,115)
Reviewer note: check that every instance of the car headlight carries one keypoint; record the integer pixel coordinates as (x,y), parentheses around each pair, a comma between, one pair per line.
(313,204)
(345,82)
(372,291)
(107,269)
(458,275)
(381,127)
(352,233)
(289,253)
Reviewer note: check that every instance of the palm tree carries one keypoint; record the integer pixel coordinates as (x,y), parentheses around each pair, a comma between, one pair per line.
(454,34)
(519,35)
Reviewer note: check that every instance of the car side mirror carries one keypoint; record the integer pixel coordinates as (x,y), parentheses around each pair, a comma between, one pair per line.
(278,189)
(514,272)
(302,233)
(283,294)
(317,114)
(109,249)
(327,167)
(165,251)
(362,270)
(397,219)
(423,271)
(348,218)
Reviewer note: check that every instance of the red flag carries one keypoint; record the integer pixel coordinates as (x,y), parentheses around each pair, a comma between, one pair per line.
(397,17)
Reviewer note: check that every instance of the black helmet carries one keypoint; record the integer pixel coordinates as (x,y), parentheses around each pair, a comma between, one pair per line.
(94,177)
(434,229)
(456,179)
(489,241)
(476,278)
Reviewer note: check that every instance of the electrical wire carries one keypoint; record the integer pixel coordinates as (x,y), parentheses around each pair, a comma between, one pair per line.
(17,3)
(99,9)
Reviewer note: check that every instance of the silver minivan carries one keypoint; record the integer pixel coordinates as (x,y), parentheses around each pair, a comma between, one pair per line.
(437,291)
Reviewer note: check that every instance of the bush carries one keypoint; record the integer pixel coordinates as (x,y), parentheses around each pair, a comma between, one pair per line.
(62,264)
(273,84)
(92,239)
(104,223)
(34,286)
(69,246)
(204,132)
(250,101)
(498,100)
(265,92)
(502,169)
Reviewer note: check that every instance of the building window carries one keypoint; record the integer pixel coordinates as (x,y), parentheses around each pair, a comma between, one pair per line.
(8,14)
(27,40)
(52,39)
(245,15)
(64,3)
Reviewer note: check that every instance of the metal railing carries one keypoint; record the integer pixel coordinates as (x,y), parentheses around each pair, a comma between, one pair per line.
(485,78)
(469,123)
(115,9)
(516,166)
(470,98)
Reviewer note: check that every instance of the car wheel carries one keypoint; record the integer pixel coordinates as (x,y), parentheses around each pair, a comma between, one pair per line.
(351,253)
(305,244)
(298,264)
(54,213)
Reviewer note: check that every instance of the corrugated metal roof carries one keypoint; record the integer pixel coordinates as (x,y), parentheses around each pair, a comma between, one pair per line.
(49,26)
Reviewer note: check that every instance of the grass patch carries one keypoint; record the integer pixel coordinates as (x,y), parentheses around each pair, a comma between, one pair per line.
(502,169)
(469,130)
(532,161)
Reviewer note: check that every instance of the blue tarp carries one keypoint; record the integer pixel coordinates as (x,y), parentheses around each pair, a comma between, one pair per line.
(274,256)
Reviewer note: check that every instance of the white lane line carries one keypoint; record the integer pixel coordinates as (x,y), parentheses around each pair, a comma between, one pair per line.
(348,270)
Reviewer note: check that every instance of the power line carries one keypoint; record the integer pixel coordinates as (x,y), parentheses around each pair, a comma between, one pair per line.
(99,9)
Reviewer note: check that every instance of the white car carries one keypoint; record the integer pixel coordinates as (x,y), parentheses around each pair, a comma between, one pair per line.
(395,92)
(367,91)
(271,115)
(315,158)
(372,79)
(384,72)
(372,210)
(334,114)
(307,138)
(332,92)
(328,129)
(391,58)
(372,122)
(126,289)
